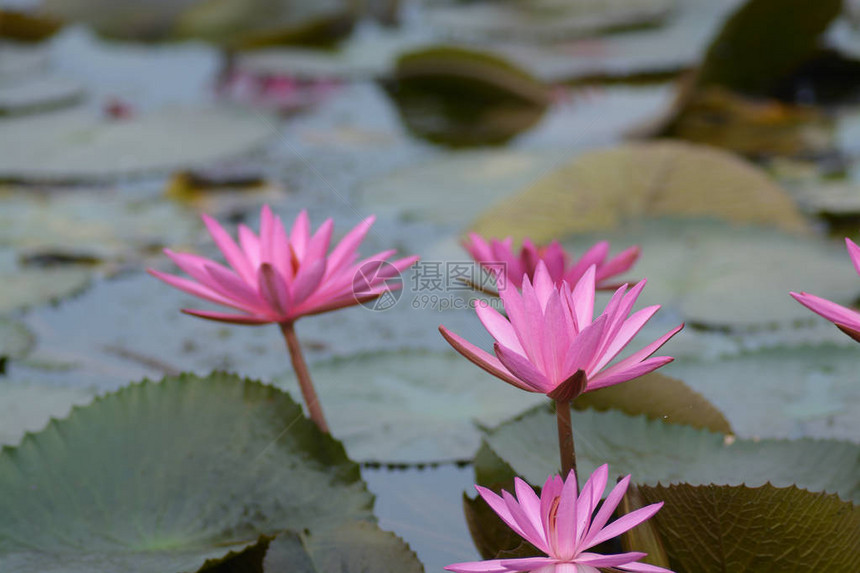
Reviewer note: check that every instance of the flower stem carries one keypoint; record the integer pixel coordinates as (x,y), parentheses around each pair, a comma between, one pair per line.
(303,376)
(565,438)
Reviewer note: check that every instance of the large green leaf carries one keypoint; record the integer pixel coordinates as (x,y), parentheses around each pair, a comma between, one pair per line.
(164,476)
(350,548)
(653,451)
(727,276)
(713,529)
(783,391)
(78,146)
(412,406)
(607,188)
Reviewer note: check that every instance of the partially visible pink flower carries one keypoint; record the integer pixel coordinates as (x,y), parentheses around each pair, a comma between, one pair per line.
(498,256)
(279,277)
(845,319)
(550,338)
(563,525)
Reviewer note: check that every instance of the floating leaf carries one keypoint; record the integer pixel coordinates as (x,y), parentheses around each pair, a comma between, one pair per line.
(783,391)
(26,287)
(413,406)
(76,146)
(765,40)
(26,27)
(670,453)
(95,225)
(540,20)
(455,189)
(628,55)
(350,548)
(658,397)
(753,127)
(256,23)
(16,340)
(129,19)
(29,407)
(461,97)
(183,471)
(720,275)
(38,92)
(605,189)
(718,528)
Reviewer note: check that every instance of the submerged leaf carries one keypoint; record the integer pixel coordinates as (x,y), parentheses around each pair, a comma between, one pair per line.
(165,476)
(670,453)
(713,529)
(606,188)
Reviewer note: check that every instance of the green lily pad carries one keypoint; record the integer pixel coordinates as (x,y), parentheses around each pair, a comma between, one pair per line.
(350,548)
(671,453)
(78,146)
(543,19)
(16,340)
(712,529)
(607,188)
(786,391)
(412,406)
(737,277)
(29,407)
(26,287)
(463,98)
(95,225)
(165,476)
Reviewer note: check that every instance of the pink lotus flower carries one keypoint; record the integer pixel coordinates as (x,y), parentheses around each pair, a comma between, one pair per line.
(551,342)
(279,277)
(560,523)
(845,319)
(498,256)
